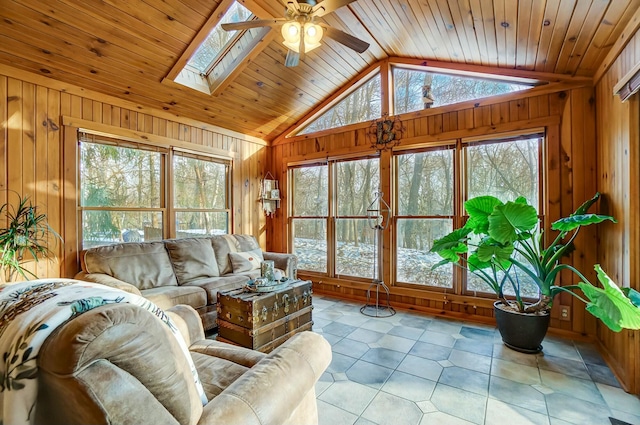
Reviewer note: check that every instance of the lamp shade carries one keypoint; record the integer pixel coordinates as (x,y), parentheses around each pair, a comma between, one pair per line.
(291,32)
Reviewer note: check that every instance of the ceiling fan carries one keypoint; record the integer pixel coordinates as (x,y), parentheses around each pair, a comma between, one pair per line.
(301,29)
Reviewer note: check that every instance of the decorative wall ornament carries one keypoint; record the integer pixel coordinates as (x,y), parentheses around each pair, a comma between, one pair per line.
(385,133)
(270,194)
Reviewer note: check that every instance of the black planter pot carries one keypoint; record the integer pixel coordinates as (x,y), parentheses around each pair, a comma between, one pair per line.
(520,331)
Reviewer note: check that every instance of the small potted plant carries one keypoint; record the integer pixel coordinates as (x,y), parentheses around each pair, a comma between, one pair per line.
(27,233)
(502,244)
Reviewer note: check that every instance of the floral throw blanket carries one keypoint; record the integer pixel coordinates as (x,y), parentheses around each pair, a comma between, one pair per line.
(29,313)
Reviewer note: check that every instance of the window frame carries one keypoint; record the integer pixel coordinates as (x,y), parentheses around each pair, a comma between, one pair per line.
(459,283)
(332,209)
(167,208)
(455,217)
(173,210)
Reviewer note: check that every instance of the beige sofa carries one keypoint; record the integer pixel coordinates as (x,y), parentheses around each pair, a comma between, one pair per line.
(118,364)
(182,271)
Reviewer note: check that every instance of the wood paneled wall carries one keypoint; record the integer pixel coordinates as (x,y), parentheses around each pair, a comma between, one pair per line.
(568,113)
(618,127)
(32,160)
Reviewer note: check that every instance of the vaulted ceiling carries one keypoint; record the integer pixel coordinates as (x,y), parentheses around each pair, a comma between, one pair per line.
(126,48)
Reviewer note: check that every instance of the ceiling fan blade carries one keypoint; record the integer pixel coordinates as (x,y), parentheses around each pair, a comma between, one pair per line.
(328,6)
(347,39)
(291,5)
(293,58)
(232,26)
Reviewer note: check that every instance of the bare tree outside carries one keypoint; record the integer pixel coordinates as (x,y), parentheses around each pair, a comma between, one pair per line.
(200,196)
(121,190)
(357,182)
(505,170)
(445,89)
(113,180)
(218,38)
(425,212)
(309,218)
(360,106)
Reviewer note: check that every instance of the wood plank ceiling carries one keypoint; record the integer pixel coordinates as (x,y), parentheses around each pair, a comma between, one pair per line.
(125,48)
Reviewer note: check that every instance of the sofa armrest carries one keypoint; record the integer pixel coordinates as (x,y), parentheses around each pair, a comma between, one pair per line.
(284,261)
(269,392)
(105,279)
(188,321)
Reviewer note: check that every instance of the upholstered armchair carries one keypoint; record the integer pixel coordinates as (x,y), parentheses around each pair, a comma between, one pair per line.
(118,364)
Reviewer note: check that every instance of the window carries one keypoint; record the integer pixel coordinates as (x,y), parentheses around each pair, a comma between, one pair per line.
(356,184)
(361,105)
(330,234)
(214,52)
(506,168)
(120,193)
(445,89)
(200,195)
(431,187)
(425,213)
(218,39)
(310,193)
(123,192)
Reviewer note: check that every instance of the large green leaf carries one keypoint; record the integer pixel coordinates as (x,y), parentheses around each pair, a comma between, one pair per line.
(633,295)
(506,221)
(479,209)
(610,304)
(453,239)
(582,209)
(568,224)
(452,245)
(495,251)
(475,263)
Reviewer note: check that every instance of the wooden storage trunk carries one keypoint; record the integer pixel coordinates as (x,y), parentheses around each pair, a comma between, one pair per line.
(262,321)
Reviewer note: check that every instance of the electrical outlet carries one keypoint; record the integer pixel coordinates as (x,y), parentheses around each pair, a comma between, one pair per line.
(565,312)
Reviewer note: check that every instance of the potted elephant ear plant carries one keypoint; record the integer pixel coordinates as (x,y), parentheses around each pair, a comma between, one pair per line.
(503,245)
(27,234)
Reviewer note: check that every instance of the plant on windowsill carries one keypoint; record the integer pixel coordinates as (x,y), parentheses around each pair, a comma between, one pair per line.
(27,233)
(502,244)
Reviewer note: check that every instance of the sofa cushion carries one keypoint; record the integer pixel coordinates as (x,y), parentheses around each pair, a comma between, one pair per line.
(246,242)
(143,264)
(246,261)
(168,296)
(223,283)
(224,244)
(216,373)
(192,258)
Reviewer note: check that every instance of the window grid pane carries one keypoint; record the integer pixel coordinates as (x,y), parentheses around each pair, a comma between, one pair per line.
(414,261)
(505,170)
(425,183)
(364,104)
(113,176)
(357,183)
(355,243)
(310,243)
(311,191)
(409,89)
(107,227)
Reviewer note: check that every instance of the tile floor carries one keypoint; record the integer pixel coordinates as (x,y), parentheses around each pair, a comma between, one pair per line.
(417,369)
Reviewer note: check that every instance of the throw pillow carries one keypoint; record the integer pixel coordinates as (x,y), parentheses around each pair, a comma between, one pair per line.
(246,261)
(192,258)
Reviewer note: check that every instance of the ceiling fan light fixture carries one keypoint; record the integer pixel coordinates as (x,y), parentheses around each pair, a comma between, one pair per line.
(291,33)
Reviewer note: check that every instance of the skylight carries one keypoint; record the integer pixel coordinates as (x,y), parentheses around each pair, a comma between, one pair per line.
(218,39)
